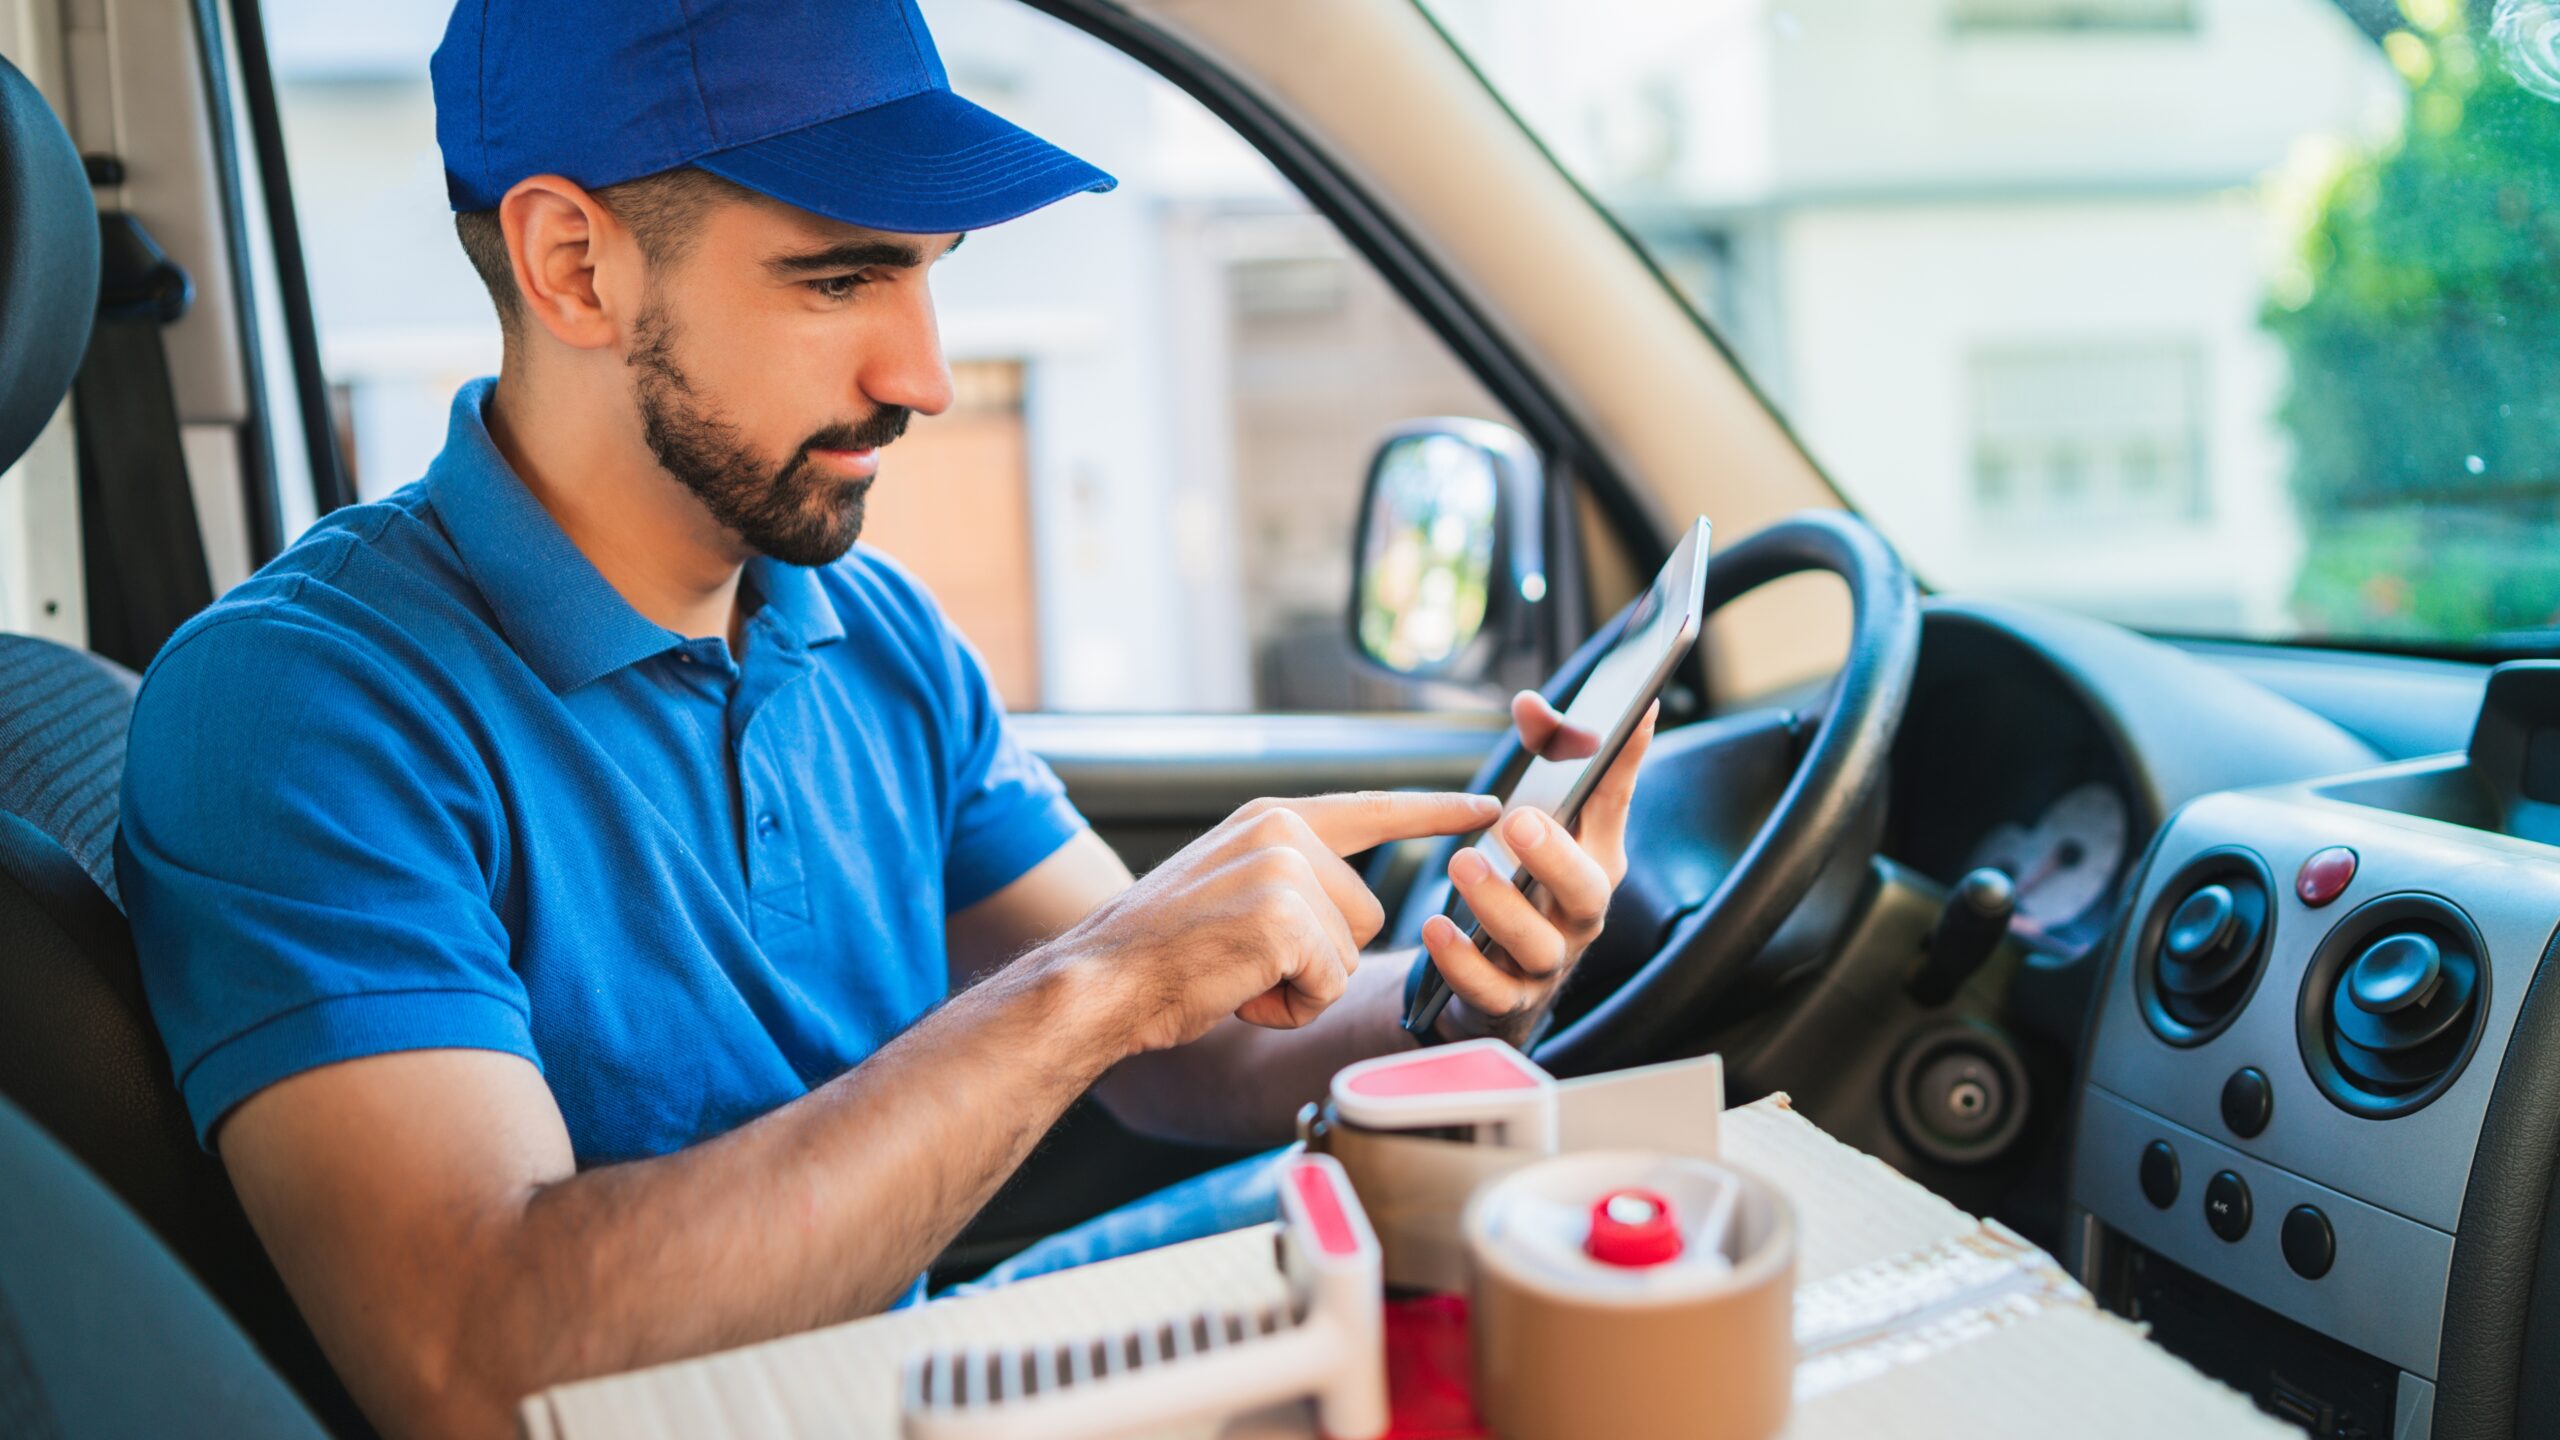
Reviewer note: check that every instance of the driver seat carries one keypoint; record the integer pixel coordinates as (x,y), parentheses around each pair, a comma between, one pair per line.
(78,1052)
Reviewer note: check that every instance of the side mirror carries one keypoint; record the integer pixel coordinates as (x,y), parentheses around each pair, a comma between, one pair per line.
(1450,582)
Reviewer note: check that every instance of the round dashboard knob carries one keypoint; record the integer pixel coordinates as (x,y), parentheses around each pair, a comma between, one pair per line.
(2202,923)
(2394,973)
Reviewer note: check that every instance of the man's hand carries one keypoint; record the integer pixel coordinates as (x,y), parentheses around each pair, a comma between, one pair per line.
(1260,918)
(1539,934)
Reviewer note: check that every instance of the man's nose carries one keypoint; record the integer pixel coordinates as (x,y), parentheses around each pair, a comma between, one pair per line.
(906,367)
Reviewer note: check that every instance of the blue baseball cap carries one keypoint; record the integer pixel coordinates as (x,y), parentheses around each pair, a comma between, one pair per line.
(840,107)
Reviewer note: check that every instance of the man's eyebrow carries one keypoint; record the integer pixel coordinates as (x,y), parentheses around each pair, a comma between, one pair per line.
(851,255)
(855,255)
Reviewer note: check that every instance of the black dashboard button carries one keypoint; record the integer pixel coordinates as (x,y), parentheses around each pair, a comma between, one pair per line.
(2226,1205)
(2160,1174)
(2247,1101)
(2309,1244)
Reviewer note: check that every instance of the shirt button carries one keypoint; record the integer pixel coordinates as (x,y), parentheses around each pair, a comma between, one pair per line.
(767,825)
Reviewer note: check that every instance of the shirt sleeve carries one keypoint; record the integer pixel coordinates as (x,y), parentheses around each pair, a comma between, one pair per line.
(1009,811)
(1006,810)
(308,855)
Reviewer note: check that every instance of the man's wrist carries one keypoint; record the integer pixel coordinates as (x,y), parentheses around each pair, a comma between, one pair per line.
(1081,1000)
(1460,1021)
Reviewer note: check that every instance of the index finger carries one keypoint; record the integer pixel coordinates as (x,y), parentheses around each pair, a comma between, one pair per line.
(1544,731)
(1349,824)
(1602,825)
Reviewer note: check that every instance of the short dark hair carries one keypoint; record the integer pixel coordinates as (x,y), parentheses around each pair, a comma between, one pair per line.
(662,212)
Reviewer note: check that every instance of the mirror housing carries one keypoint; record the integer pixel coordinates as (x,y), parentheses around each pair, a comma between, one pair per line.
(1450,580)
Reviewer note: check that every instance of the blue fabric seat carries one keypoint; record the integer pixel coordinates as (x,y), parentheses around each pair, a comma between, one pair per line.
(102,1333)
(63,714)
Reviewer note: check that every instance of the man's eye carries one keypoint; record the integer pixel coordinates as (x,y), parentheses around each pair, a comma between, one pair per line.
(838,287)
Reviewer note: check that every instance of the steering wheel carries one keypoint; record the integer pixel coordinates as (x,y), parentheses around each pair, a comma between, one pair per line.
(1735,818)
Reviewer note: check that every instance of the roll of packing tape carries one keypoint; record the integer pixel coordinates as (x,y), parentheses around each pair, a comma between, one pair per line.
(1632,1295)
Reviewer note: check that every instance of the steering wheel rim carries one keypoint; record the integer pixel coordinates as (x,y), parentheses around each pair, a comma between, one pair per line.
(1713,940)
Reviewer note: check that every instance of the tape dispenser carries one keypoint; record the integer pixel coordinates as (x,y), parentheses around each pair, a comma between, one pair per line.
(1326,1343)
(1632,1294)
(1420,1132)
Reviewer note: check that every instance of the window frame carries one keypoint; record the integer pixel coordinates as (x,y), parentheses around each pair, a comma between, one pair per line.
(1572,461)
(255,92)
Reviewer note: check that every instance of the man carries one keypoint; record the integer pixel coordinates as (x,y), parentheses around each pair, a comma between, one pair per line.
(549,880)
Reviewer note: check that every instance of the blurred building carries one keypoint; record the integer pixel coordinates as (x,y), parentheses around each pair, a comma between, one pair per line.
(2000,262)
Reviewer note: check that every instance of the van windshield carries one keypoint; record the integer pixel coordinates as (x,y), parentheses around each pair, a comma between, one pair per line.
(2223,317)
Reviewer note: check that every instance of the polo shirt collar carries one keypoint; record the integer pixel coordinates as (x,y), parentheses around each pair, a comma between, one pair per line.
(794,601)
(555,608)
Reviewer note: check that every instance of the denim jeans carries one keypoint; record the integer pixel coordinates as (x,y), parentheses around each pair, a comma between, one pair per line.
(1230,1197)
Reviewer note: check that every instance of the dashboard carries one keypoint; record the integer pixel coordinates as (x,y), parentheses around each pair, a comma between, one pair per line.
(2312,1126)
(2003,765)
(2053,748)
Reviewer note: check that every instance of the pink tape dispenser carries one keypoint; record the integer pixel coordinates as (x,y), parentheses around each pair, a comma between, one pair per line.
(1325,1343)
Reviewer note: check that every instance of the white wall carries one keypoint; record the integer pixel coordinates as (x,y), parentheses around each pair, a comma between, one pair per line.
(1891,94)
(1886,306)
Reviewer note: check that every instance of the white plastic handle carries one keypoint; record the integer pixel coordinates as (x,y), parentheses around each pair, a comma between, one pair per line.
(1211,1365)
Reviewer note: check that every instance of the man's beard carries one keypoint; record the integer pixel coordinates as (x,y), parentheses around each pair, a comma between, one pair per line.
(799,514)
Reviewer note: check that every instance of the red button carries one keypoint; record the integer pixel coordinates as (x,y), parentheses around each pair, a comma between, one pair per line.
(1633,1227)
(2324,876)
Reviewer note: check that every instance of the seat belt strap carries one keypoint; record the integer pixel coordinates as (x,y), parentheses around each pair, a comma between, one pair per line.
(141,548)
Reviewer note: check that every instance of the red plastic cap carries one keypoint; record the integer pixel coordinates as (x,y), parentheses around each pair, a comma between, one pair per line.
(1633,1227)
(2324,876)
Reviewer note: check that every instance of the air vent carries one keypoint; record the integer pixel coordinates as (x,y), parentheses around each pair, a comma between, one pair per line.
(2203,945)
(2391,1004)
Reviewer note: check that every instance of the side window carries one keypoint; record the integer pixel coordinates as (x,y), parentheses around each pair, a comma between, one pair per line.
(1145,496)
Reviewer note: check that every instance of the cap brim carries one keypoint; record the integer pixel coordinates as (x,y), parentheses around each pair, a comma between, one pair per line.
(928,164)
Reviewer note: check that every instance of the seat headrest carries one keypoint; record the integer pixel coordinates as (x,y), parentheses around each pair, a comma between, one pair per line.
(48,262)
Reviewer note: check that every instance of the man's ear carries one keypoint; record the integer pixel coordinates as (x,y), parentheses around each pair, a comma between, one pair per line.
(577,269)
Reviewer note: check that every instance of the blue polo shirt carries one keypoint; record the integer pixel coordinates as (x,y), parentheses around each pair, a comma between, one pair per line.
(427,780)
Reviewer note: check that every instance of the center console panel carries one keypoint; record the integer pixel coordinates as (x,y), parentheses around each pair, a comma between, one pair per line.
(2319,1108)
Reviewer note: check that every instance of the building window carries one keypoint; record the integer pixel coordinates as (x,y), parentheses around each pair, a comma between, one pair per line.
(2049,15)
(2107,435)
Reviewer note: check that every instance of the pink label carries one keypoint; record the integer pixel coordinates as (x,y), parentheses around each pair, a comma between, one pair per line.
(1462,1074)
(1323,1203)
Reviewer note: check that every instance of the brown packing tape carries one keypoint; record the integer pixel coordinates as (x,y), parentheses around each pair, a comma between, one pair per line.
(1415,1189)
(1555,1361)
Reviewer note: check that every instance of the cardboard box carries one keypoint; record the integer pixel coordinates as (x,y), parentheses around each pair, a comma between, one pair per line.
(1914,1319)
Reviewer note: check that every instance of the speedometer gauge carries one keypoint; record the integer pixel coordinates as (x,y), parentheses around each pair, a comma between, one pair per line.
(2065,861)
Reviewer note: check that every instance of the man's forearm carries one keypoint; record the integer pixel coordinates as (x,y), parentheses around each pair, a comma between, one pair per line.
(1242,1085)
(824,1209)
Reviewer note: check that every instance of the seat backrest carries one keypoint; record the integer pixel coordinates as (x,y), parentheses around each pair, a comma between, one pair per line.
(79,1054)
(63,715)
(102,1333)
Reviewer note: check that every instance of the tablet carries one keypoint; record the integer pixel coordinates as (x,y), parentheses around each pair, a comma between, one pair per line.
(1604,713)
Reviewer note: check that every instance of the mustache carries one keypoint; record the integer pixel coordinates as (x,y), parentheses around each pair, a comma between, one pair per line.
(881,427)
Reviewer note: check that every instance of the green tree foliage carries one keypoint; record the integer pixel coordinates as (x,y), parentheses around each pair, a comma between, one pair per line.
(2424,401)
